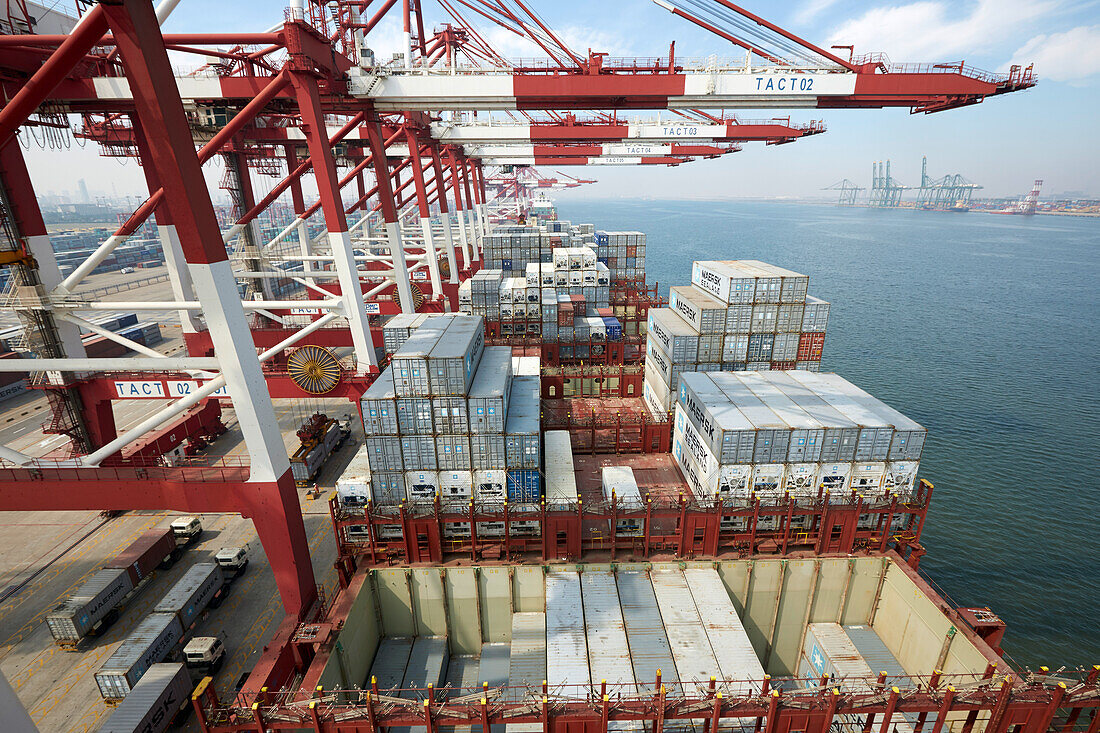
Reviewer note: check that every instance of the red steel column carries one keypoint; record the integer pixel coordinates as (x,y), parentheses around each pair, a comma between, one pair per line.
(270,497)
(324,171)
(389,210)
(444,215)
(425,212)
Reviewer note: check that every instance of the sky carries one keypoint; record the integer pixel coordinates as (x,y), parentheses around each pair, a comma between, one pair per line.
(1003,143)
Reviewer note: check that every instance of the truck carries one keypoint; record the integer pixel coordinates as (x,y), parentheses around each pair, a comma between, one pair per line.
(320,437)
(99,602)
(158,701)
(162,631)
(187,530)
(232,560)
(205,654)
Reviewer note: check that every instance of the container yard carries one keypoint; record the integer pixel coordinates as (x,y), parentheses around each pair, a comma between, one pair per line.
(568,505)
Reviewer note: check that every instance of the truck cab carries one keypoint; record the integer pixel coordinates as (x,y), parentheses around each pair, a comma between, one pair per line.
(204,654)
(186,530)
(233,560)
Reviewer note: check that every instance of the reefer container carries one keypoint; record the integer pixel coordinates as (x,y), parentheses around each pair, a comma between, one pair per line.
(456,484)
(488,400)
(190,595)
(704,312)
(521,435)
(146,552)
(491,485)
(147,644)
(71,620)
(354,485)
(454,358)
(722,426)
(421,486)
(154,701)
(561,479)
(379,408)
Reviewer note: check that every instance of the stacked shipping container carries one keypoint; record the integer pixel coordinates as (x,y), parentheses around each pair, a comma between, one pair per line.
(736,315)
(737,434)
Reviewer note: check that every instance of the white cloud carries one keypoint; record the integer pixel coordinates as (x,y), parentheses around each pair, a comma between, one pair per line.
(934,30)
(811,9)
(1070,56)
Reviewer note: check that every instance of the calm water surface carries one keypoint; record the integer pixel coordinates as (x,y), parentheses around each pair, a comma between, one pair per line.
(983,328)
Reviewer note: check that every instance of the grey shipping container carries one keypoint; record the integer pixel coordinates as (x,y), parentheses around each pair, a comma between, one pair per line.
(521,436)
(489,393)
(566,647)
(605,631)
(414,415)
(704,312)
(726,430)
(71,620)
(384,452)
(146,645)
(674,336)
(493,669)
(390,661)
(427,666)
(379,408)
(153,702)
(645,632)
(453,452)
(487,452)
(687,637)
(451,414)
(410,363)
(737,660)
(527,663)
(455,357)
(418,453)
(190,595)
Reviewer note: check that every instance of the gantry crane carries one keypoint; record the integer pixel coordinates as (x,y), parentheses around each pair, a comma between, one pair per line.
(288,83)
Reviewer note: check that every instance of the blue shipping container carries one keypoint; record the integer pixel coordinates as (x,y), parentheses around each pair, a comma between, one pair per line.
(524,486)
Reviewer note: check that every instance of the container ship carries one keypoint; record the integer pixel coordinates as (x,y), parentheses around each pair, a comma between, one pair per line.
(550,497)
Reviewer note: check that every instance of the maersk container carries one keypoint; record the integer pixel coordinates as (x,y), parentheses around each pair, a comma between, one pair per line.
(456,484)
(687,638)
(451,414)
(656,392)
(418,453)
(705,313)
(733,651)
(384,452)
(72,619)
(191,594)
(674,336)
(379,407)
(153,702)
(908,439)
(487,452)
(414,416)
(772,433)
(566,647)
(522,431)
(453,452)
(524,486)
(354,485)
(807,434)
(722,426)
(390,662)
(145,553)
(455,357)
(489,393)
(421,487)
(147,644)
(841,433)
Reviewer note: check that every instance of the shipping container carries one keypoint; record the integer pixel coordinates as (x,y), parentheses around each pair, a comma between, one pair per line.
(456,484)
(191,594)
(388,487)
(645,632)
(733,651)
(618,482)
(410,362)
(453,452)
(524,485)
(673,335)
(522,431)
(379,406)
(354,485)
(94,601)
(455,357)
(491,486)
(487,452)
(152,704)
(150,642)
(605,636)
(489,393)
(566,646)
(414,416)
(527,659)
(418,453)
(691,650)
(421,486)
(451,414)
(561,478)
(147,552)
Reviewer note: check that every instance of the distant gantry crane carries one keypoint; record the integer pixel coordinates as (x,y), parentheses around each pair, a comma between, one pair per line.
(849,192)
(886,191)
(950,193)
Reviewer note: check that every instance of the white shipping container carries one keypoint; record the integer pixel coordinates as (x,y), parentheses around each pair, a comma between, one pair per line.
(736,657)
(561,479)
(687,637)
(566,647)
